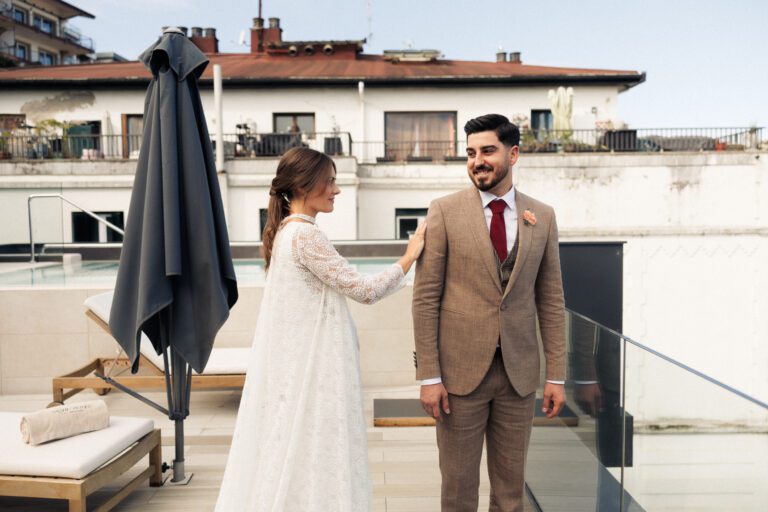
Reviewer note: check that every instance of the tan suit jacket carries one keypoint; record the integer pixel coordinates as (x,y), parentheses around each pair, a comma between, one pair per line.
(460,312)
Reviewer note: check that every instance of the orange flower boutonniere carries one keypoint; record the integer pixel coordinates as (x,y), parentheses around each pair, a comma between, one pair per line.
(529,219)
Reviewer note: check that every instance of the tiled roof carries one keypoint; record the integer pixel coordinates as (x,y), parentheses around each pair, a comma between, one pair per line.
(251,68)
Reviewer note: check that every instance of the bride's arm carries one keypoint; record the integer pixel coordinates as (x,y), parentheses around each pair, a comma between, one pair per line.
(316,252)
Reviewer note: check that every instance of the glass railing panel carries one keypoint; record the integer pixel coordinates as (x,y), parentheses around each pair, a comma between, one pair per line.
(574,461)
(694,445)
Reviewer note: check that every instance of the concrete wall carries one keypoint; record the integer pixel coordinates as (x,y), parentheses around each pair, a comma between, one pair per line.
(106,186)
(44,333)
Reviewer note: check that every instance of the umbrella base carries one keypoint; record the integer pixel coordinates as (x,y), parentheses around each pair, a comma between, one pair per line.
(183,481)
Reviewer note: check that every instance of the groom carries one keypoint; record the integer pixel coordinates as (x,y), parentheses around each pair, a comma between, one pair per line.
(490,266)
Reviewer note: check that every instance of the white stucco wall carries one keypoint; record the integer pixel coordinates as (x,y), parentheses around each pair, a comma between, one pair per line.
(338,106)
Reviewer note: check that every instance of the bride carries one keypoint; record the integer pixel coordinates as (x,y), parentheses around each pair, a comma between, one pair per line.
(299,443)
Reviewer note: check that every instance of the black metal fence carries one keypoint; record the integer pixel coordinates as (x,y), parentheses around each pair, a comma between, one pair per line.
(96,147)
(252,145)
(573,141)
(77,147)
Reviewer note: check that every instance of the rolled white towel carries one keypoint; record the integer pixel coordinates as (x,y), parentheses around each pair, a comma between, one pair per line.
(64,421)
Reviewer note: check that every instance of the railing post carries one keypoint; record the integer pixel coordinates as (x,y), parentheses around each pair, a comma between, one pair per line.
(31,239)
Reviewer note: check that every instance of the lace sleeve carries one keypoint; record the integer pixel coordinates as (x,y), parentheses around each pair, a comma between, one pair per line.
(315,251)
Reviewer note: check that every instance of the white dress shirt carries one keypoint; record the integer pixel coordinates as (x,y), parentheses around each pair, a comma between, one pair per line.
(510,223)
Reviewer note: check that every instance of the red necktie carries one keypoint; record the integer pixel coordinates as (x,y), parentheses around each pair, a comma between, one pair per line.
(498,228)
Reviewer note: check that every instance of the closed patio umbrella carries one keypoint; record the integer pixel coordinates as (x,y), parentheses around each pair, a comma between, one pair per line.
(176,281)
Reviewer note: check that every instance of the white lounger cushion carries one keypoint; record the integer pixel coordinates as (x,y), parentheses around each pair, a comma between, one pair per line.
(223,361)
(73,457)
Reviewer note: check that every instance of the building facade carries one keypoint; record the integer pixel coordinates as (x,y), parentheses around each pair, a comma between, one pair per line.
(692,213)
(38,32)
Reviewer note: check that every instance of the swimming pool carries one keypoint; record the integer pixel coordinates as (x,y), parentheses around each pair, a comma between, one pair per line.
(98,274)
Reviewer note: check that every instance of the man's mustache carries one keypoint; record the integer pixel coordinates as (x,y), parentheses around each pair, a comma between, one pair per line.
(483,168)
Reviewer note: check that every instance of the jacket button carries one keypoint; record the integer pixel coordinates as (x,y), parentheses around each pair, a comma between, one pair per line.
(503,307)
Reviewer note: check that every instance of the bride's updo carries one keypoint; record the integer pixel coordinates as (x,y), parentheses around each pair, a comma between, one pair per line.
(299,171)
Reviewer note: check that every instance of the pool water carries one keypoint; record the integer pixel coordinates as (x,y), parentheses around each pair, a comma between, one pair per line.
(103,274)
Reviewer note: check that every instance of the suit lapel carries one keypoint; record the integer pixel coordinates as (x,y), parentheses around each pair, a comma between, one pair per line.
(479,229)
(524,236)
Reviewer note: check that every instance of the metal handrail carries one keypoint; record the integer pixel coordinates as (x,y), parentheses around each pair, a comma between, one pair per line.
(87,212)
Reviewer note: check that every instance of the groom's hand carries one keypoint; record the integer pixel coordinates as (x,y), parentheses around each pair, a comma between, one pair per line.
(432,397)
(554,399)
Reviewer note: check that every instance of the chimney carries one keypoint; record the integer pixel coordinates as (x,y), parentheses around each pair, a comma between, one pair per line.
(514,57)
(205,39)
(274,34)
(501,56)
(262,37)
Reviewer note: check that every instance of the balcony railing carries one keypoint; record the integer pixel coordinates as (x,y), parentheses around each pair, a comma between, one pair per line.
(94,147)
(647,140)
(251,145)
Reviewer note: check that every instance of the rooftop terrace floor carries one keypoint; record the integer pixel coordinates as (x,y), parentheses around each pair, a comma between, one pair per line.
(699,471)
(403,461)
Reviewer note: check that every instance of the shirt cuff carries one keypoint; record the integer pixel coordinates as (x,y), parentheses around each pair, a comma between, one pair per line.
(560,382)
(430,382)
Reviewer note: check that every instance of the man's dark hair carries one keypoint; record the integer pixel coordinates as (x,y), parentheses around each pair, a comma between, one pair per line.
(507,132)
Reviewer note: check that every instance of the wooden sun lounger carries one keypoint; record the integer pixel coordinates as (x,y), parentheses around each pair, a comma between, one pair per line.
(66,386)
(77,490)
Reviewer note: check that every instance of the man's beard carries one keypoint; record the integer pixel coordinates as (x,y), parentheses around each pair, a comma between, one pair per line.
(486,186)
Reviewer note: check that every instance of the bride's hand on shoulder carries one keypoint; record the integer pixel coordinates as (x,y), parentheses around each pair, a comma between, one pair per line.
(415,246)
(416,242)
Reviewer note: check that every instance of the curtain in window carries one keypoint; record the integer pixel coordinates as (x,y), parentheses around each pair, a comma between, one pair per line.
(427,135)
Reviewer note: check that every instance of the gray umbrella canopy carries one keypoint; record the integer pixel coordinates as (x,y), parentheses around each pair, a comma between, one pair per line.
(176,280)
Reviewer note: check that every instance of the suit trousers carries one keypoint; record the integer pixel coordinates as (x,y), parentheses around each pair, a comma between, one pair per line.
(493,412)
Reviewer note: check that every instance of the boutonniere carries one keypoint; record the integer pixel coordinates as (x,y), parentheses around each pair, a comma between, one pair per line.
(529,219)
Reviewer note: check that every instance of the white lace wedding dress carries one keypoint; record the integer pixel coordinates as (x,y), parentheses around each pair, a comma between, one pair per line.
(299,443)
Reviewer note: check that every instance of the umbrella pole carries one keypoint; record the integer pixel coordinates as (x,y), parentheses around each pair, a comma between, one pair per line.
(179,408)
(176,377)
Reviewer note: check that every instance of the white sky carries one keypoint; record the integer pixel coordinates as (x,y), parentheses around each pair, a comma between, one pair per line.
(706,60)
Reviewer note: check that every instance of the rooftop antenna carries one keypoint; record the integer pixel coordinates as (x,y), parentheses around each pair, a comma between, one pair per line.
(369,4)
(261,32)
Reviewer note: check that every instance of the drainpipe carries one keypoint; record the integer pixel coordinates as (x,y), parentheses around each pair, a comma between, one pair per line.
(220,166)
(361,94)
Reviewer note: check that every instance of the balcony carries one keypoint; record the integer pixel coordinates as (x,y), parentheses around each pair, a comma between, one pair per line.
(642,140)
(71,41)
(28,146)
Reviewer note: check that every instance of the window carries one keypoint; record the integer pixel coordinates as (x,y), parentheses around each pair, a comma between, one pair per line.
(419,135)
(263,216)
(84,139)
(21,51)
(295,123)
(87,229)
(44,24)
(45,58)
(407,220)
(133,127)
(541,123)
(19,15)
